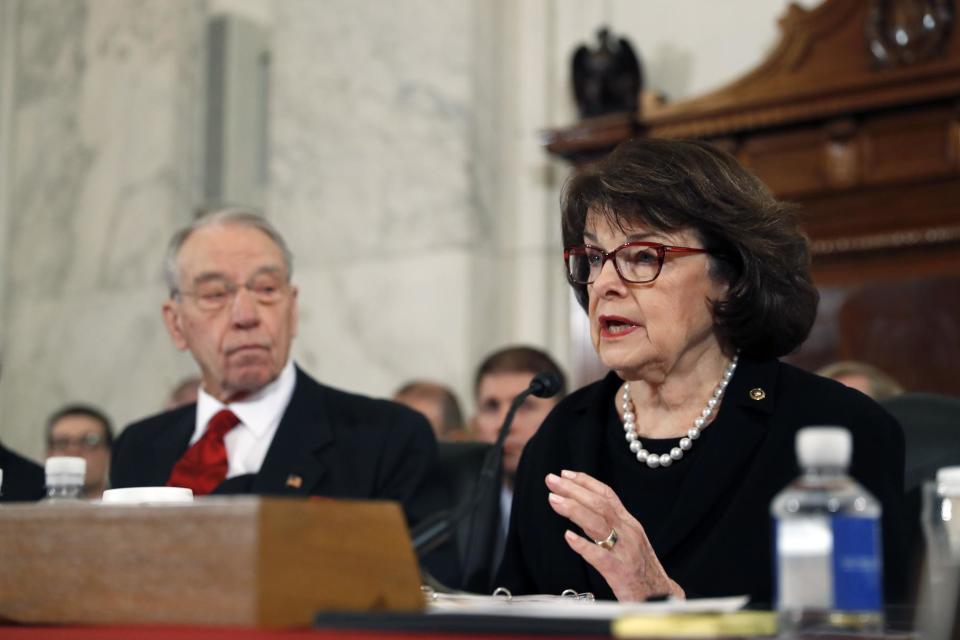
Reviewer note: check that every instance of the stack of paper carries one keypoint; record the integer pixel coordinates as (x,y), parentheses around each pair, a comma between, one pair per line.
(576,606)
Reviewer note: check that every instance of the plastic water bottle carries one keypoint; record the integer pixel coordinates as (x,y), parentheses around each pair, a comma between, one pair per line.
(937,613)
(64,478)
(828,552)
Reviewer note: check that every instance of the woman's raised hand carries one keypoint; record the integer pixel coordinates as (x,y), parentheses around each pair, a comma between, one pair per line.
(626,560)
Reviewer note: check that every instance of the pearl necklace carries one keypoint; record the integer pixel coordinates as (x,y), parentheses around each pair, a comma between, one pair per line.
(653,460)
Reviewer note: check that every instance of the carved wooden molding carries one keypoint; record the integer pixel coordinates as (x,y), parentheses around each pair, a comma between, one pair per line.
(897,240)
(733,119)
(590,138)
(821,67)
(902,32)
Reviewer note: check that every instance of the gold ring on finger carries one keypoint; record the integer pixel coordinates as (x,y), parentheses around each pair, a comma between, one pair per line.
(610,541)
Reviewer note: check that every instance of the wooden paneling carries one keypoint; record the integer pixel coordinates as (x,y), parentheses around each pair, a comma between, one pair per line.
(791,162)
(830,157)
(908,145)
(876,322)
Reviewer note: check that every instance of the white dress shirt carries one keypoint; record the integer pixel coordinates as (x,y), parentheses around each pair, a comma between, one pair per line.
(500,544)
(506,505)
(259,414)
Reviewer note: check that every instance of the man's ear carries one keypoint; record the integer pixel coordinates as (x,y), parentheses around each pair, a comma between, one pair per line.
(295,311)
(172,320)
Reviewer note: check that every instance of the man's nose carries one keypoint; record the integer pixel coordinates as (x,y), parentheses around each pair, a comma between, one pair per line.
(67,448)
(244,310)
(501,416)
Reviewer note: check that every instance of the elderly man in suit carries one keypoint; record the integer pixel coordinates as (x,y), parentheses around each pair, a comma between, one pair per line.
(260,424)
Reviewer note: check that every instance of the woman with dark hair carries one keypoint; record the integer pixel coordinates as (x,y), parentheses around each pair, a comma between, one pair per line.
(657,480)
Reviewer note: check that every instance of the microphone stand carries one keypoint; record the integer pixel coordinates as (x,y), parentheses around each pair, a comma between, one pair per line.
(490,479)
(435,530)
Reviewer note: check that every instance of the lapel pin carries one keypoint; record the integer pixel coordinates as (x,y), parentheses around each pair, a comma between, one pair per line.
(294,481)
(757,393)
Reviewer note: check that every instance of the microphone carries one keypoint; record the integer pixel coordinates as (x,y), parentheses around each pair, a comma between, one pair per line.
(436,529)
(545,384)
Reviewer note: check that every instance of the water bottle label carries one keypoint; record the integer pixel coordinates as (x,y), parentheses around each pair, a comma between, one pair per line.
(828,562)
(857,564)
(802,573)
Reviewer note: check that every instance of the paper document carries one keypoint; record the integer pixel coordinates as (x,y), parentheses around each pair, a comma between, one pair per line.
(546,606)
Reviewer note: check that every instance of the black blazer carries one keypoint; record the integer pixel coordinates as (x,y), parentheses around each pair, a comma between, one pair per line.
(717,540)
(337,444)
(23,480)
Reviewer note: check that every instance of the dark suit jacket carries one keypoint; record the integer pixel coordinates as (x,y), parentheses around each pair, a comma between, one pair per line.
(340,445)
(929,423)
(717,539)
(23,480)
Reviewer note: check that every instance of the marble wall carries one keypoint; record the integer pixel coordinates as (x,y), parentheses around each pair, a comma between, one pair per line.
(103,164)
(404,165)
(370,157)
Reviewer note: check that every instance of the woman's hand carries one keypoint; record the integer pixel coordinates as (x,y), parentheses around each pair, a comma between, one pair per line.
(630,567)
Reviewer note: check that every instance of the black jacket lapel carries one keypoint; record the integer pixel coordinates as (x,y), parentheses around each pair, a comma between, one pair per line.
(169,449)
(742,418)
(294,464)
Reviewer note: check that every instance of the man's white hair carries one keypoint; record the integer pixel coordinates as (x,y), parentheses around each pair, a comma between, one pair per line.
(240,216)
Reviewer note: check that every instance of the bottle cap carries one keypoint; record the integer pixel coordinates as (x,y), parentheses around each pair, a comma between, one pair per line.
(65,464)
(948,480)
(147,495)
(824,447)
(67,470)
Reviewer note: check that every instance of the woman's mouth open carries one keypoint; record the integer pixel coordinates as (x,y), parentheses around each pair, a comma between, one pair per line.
(616,326)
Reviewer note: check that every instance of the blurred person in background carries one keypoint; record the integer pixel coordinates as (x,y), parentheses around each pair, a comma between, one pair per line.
(863,377)
(85,432)
(438,404)
(183,394)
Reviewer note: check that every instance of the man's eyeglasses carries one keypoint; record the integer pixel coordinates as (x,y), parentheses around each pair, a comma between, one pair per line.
(88,442)
(215,294)
(636,262)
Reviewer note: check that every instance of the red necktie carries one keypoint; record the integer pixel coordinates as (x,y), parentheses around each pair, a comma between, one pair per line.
(204,466)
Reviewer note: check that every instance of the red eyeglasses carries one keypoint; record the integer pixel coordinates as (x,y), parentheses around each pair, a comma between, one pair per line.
(636,262)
